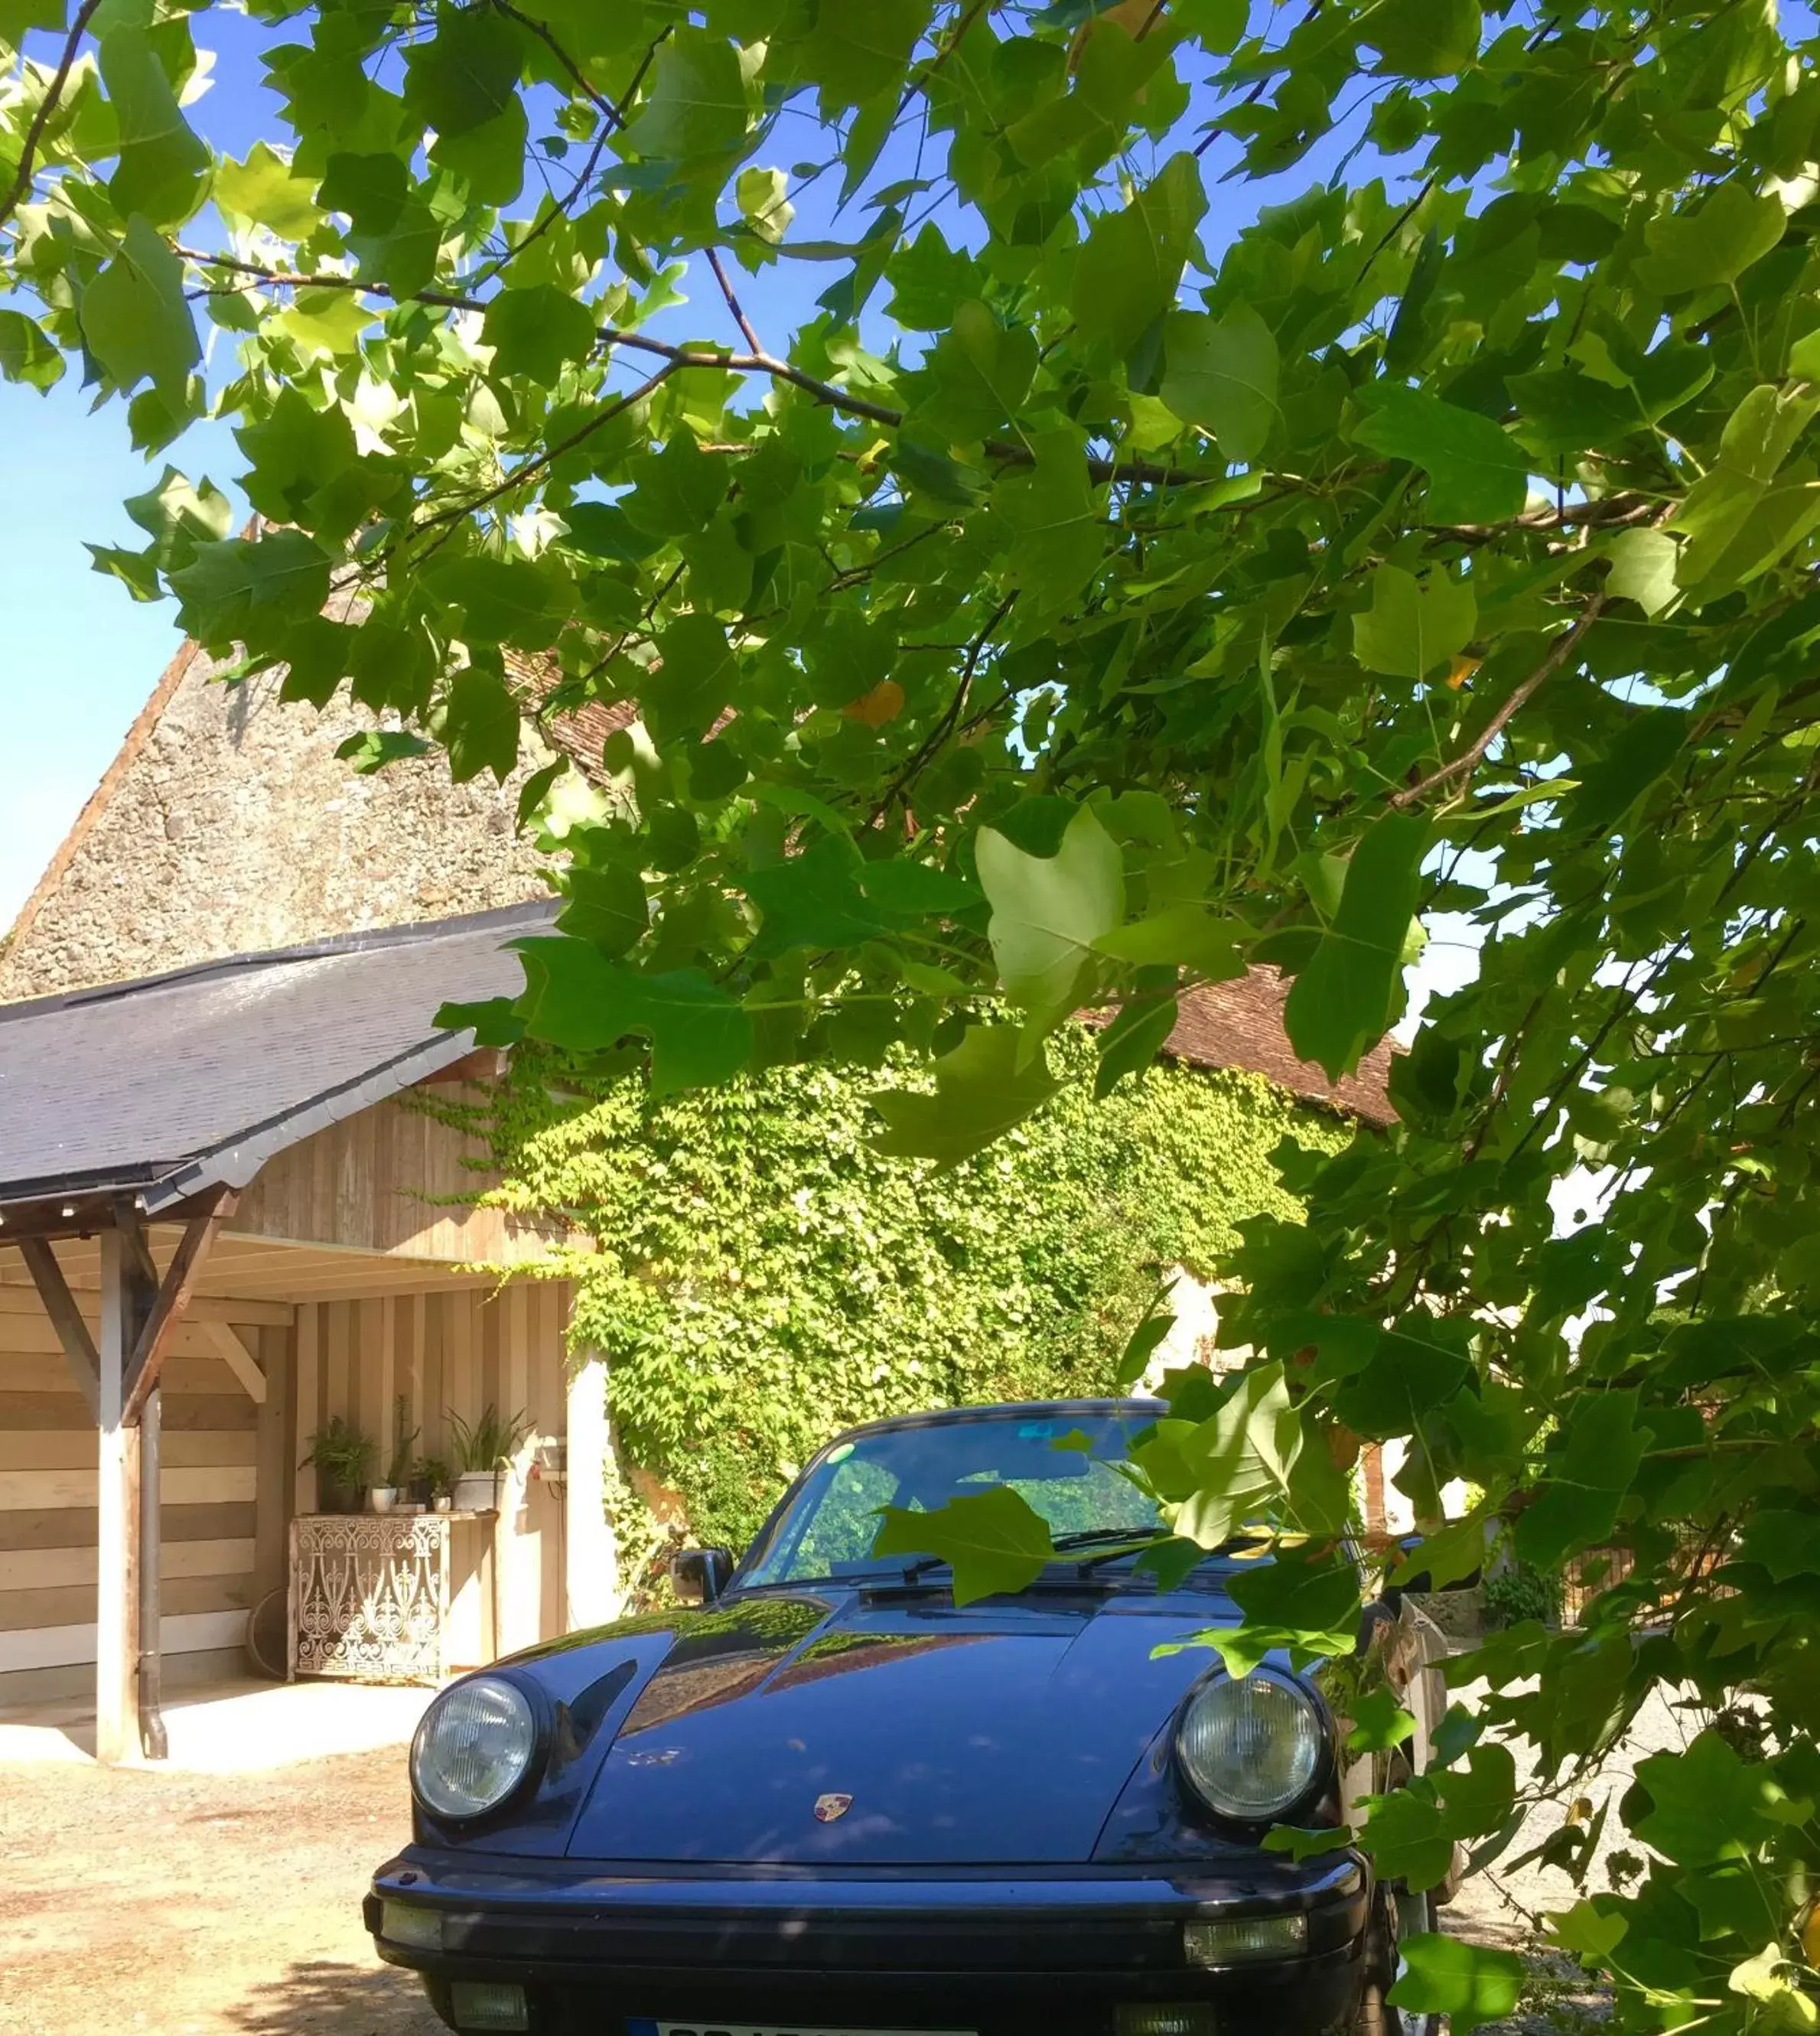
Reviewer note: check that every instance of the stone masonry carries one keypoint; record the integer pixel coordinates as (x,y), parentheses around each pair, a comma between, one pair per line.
(227,824)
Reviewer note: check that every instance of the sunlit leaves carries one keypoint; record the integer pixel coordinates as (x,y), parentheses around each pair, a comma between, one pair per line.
(535,331)
(697,104)
(162,169)
(992,1540)
(579,999)
(1447,1976)
(1713,241)
(1047,912)
(134,317)
(266,190)
(983,1087)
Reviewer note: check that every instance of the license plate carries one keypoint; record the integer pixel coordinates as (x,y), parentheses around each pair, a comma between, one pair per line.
(640,2026)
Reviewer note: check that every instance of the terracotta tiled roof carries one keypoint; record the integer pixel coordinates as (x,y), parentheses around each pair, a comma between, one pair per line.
(1239,1024)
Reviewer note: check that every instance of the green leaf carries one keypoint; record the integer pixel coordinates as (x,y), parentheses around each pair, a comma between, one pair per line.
(1255,1461)
(1299,1601)
(1425,39)
(1340,1003)
(250,590)
(134,318)
(578,999)
(1643,569)
(1584,1481)
(371,751)
(26,354)
(993,1541)
(677,492)
(1706,1804)
(1409,1838)
(1447,1976)
(608,908)
(1642,754)
(1590,1933)
(1476,473)
(854,53)
(480,725)
(163,170)
(1048,911)
(983,1087)
(929,279)
(814,900)
(1140,1345)
(760,196)
(981,373)
(1134,1040)
(1186,936)
(501,601)
(266,191)
(19,17)
(696,680)
(696,105)
(1301,1844)
(1711,241)
(1222,374)
(535,331)
(1058,526)
(1125,276)
(1481,1800)
(1787,1544)
(467,73)
(1379,1721)
(1414,626)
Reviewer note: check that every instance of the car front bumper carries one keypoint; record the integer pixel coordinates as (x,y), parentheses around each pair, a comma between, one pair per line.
(593,1945)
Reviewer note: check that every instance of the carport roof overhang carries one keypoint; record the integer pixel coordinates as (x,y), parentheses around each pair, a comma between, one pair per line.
(160,1095)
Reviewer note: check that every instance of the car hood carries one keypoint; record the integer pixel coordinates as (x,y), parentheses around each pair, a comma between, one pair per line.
(848,1730)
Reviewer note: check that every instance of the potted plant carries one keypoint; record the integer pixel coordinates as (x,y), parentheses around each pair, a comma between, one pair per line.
(433,1483)
(385,1495)
(343,1458)
(482,1450)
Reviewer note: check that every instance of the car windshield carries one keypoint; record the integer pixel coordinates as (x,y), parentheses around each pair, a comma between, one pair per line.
(1067,1465)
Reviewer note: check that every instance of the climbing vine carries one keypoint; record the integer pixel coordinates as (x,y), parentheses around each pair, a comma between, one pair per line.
(759,1275)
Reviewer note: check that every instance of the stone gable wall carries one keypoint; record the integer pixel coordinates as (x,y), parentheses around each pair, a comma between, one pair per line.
(228,824)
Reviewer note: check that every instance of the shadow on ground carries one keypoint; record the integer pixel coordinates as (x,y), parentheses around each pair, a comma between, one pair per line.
(324,1998)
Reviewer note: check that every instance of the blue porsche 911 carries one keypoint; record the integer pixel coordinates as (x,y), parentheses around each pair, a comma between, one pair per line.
(822,1798)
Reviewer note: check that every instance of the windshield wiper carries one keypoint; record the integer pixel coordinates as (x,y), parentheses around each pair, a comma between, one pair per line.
(1128,1540)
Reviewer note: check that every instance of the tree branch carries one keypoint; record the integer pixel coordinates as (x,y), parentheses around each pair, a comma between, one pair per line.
(757,362)
(733,305)
(41,119)
(943,728)
(1562,648)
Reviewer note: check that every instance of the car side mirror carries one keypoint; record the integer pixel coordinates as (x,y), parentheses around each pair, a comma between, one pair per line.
(699,1575)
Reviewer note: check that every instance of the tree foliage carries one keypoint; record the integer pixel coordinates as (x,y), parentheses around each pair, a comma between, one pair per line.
(1099,586)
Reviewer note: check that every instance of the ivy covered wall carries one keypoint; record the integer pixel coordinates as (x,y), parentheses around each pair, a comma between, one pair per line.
(762,1277)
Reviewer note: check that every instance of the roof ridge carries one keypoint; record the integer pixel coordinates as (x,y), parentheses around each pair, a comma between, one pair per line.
(365,940)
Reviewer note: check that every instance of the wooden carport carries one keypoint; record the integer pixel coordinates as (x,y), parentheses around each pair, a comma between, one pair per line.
(226,1178)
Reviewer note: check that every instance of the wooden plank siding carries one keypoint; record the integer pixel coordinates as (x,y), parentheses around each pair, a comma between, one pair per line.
(455,1352)
(212,1510)
(391,1179)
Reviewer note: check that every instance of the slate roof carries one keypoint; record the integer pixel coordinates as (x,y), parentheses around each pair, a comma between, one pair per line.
(192,1079)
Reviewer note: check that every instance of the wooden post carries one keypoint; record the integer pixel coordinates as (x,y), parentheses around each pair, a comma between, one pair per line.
(152,1740)
(117,1523)
(591,1584)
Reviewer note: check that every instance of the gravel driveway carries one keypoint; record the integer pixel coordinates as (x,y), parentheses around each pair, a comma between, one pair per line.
(203,1905)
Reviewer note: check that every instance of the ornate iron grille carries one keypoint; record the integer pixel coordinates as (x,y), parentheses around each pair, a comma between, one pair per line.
(370,1595)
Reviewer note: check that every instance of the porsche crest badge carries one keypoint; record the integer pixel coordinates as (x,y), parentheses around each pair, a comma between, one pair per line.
(828,1808)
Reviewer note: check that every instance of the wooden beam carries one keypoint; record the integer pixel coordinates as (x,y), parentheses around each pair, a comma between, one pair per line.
(172,1302)
(118,1520)
(79,1351)
(239,1359)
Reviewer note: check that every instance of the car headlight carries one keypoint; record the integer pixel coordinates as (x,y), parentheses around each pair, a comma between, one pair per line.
(474,1746)
(1252,1746)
